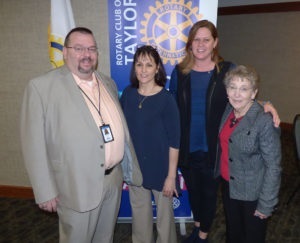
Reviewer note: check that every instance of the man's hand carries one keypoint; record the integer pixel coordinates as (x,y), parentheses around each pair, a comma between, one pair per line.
(49,206)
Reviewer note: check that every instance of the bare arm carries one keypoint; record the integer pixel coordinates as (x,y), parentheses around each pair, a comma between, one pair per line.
(170,183)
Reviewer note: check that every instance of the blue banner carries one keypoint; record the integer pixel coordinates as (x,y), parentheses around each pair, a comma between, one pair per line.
(164,24)
(180,205)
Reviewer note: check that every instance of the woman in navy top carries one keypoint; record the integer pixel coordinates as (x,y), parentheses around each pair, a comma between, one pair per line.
(197,84)
(153,120)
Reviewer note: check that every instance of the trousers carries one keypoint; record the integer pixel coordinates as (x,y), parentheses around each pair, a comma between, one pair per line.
(142,216)
(96,225)
(241,224)
(202,189)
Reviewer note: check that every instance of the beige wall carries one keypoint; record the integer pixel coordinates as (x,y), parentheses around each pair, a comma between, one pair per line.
(24,55)
(268,41)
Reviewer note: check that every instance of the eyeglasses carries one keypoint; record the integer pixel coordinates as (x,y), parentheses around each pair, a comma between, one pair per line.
(81,49)
(241,90)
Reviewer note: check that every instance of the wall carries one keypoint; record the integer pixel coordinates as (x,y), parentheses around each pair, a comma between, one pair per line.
(227,3)
(24,55)
(268,41)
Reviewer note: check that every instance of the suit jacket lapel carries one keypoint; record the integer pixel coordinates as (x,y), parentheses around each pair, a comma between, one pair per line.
(247,122)
(225,116)
(78,99)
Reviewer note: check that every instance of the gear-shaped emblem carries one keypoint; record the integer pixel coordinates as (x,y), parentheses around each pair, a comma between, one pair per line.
(167,26)
(176,203)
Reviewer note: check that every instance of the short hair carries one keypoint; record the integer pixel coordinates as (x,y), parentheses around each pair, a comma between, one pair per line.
(148,50)
(244,73)
(82,30)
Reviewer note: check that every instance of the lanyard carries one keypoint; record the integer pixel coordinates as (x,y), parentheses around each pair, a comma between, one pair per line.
(97,109)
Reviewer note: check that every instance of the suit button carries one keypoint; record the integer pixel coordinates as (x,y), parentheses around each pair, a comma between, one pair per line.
(101,146)
(230,141)
(101,165)
(230,159)
(231,178)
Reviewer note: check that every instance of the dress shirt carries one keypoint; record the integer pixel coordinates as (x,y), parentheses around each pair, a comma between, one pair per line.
(109,115)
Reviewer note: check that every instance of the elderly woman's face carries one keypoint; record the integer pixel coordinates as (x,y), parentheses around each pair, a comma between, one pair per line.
(240,94)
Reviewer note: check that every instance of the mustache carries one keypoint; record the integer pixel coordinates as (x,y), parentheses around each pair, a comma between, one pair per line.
(86,59)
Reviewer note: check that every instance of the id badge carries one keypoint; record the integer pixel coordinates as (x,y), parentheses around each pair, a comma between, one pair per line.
(106,133)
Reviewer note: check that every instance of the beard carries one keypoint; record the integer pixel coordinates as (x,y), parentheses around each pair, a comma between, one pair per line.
(84,70)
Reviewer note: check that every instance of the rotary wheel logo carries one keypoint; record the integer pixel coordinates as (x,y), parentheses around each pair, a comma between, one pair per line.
(167,26)
(176,203)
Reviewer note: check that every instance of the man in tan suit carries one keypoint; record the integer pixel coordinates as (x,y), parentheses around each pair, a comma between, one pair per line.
(73,136)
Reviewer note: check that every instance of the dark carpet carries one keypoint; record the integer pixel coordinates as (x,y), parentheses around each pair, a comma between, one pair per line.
(22,221)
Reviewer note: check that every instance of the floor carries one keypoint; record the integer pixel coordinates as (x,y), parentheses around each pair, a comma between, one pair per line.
(22,221)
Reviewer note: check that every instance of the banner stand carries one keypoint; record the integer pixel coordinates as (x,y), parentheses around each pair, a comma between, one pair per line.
(182,211)
(180,221)
(164,24)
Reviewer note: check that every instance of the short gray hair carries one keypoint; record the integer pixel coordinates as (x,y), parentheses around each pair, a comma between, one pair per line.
(244,73)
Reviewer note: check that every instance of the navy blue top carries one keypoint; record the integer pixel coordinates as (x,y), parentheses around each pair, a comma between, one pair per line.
(199,84)
(154,129)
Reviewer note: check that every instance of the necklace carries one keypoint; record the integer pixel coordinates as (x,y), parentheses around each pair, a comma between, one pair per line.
(142,101)
(233,122)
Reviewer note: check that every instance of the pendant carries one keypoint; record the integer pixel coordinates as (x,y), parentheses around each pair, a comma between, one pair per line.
(141,102)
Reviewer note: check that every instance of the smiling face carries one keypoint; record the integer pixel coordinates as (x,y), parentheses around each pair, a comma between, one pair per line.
(81,57)
(240,94)
(145,69)
(203,44)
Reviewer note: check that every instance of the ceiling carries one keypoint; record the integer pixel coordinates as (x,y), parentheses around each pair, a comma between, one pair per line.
(228,3)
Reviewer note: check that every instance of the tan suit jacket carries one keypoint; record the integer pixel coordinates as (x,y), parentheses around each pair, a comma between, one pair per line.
(62,146)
